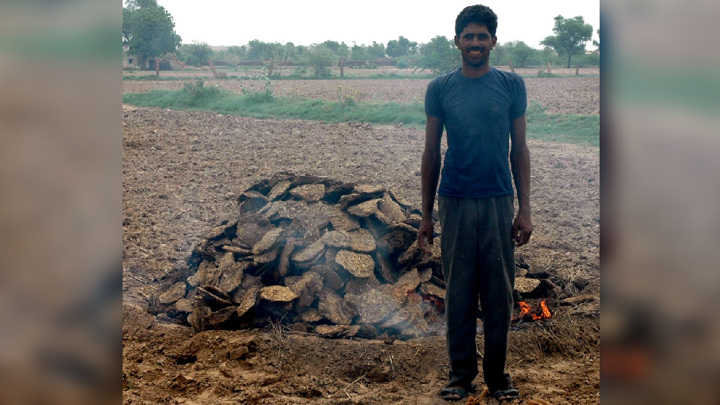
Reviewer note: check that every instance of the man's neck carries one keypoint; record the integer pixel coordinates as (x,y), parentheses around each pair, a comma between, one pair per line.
(475,72)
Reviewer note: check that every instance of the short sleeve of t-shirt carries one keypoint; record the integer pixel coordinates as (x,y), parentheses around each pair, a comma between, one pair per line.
(432,99)
(519,105)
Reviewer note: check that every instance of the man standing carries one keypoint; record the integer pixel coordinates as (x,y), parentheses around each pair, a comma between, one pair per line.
(483,111)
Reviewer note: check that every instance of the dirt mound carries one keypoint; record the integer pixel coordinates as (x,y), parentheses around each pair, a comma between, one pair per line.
(334,258)
(318,254)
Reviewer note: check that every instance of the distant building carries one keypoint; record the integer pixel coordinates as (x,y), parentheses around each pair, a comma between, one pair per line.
(130,61)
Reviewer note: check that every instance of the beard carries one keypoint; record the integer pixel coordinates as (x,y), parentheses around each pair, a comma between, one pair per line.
(476,62)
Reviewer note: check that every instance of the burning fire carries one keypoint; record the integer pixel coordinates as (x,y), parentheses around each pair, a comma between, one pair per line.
(525,311)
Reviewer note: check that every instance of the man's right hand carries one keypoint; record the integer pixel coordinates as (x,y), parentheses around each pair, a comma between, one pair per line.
(425,235)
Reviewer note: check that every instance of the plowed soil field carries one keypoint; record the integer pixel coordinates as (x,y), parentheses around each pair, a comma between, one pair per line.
(182,174)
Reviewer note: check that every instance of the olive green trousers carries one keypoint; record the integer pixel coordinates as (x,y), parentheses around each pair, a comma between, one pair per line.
(478,262)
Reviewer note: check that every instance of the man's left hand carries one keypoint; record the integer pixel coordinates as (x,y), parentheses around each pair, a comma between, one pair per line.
(522,229)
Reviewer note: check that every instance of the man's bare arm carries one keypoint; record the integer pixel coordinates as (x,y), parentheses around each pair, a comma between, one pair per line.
(430,172)
(520,165)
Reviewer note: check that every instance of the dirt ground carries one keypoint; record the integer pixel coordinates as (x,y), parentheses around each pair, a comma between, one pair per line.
(182,173)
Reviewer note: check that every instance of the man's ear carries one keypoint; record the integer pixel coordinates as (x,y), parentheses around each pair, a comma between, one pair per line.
(494,41)
(457,41)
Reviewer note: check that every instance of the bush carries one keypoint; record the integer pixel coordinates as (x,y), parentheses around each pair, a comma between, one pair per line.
(592,59)
(407,61)
(348,99)
(198,93)
(196,54)
(319,58)
(543,73)
(299,71)
(266,95)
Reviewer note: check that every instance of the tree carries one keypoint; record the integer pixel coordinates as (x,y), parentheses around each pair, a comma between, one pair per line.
(439,56)
(149,30)
(235,53)
(591,59)
(377,50)
(319,57)
(291,51)
(259,50)
(275,56)
(548,55)
(570,37)
(359,53)
(522,55)
(597,43)
(299,52)
(400,47)
(195,54)
(339,49)
(500,55)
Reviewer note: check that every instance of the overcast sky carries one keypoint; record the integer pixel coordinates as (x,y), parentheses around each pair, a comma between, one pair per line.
(227,22)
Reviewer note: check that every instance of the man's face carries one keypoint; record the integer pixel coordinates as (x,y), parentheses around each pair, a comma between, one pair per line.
(475,43)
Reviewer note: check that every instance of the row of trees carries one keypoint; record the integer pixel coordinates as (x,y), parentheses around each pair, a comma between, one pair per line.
(258,50)
(148,31)
(570,35)
(196,53)
(438,56)
(276,56)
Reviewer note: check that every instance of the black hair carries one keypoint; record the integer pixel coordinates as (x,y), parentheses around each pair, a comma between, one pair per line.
(477,14)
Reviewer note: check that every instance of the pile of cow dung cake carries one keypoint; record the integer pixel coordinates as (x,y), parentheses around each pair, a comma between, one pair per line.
(315,254)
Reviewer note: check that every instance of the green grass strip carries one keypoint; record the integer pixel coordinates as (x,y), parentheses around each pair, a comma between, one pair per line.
(562,128)
(581,129)
(258,106)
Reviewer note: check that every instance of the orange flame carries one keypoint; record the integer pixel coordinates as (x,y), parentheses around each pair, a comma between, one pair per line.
(545,311)
(525,310)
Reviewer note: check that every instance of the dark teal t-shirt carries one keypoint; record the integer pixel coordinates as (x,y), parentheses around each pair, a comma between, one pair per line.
(477,114)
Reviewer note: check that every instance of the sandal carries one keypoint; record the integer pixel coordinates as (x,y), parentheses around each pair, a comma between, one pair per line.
(456,393)
(453,393)
(506,395)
